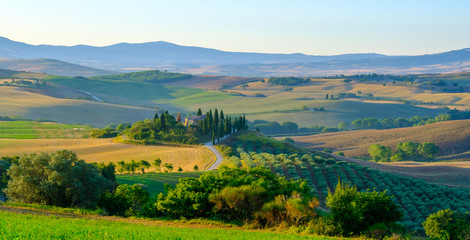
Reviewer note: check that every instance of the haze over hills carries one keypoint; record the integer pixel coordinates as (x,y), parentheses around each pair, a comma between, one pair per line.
(51,66)
(197,60)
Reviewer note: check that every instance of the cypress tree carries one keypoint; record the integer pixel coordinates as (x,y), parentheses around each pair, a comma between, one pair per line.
(216,118)
(155,117)
(244,125)
(163,122)
(222,118)
(205,126)
(166,112)
(211,120)
(199,112)
(213,138)
(221,130)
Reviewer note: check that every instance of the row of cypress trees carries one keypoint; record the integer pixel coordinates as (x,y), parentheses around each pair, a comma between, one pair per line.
(217,125)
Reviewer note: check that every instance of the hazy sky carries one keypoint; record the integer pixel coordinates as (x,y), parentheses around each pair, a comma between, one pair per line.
(324,27)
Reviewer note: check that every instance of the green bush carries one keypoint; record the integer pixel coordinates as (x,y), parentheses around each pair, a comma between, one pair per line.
(58,179)
(448,225)
(355,212)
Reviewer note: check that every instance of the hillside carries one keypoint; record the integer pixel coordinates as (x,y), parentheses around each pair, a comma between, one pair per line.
(18,102)
(197,60)
(452,137)
(51,66)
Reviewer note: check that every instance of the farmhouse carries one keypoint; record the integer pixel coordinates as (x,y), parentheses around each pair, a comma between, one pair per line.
(193,120)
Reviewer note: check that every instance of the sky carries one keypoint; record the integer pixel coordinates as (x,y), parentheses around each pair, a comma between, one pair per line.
(327,27)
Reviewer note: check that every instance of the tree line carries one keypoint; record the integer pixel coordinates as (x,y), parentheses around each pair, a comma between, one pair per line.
(405,151)
(142,165)
(288,81)
(217,125)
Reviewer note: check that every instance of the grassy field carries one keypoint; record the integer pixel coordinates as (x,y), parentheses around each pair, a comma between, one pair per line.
(105,150)
(41,130)
(27,226)
(155,181)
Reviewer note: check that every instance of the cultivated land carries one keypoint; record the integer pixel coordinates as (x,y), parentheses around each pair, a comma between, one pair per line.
(41,130)
(18,102)
(105,150)
(452,137)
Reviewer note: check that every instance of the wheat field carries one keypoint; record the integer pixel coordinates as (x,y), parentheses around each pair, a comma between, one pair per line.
(105,150)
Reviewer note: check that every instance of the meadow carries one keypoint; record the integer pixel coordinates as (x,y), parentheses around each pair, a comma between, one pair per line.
(105,150)
(155,182)
(26,226)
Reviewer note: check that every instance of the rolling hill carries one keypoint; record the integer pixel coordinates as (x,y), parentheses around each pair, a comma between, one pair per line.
(452,137)
(197,60)
(51,66)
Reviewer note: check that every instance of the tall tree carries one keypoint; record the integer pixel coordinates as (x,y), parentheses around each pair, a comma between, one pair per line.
(155,117)
(222,117)
(199,112)
(163,122)
(216,118)
(211,119)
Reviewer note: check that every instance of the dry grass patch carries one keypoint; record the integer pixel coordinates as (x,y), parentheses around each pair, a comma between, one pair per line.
(105,150)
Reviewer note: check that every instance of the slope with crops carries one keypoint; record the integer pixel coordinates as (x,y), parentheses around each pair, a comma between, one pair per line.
(417,198)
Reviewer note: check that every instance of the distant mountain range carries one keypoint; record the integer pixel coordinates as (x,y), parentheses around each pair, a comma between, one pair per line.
(197,60)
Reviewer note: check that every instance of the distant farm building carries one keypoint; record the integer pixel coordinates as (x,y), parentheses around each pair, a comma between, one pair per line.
(194,120)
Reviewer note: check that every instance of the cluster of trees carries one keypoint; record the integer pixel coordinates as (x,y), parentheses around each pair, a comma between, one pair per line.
(142,165)
(288,81)
(218,125)
(161,128)
(58,179)
(447,225)
(110,131)
(378,77)
(404,151)
(388,123)
(145,76)
(287,127)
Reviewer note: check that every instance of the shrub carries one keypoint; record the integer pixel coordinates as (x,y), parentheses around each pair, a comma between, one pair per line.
(355,212)
(448,224)
(58,179)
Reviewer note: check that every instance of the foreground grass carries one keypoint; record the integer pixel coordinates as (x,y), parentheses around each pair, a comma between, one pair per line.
(155,181)
(20,226)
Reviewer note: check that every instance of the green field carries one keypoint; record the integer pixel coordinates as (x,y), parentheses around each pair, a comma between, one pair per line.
(22,226)
(41,130)
(155,181)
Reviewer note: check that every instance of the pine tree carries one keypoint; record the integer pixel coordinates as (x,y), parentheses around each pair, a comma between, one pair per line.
(155,117)
(199,112)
